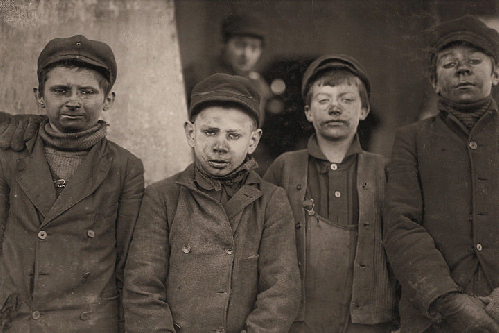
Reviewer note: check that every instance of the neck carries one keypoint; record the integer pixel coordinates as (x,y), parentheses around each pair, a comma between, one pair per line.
(336,150)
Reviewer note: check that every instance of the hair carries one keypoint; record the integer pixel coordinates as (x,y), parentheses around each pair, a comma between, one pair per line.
(103,77)
(226,105)
(434,57)
(335,77)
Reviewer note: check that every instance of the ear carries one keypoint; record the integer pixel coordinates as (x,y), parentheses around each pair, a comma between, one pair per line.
(39,98)
(254,140)
(109,101)
(434,84)
(190,133)
(495,75)
(308,113)
(364,112)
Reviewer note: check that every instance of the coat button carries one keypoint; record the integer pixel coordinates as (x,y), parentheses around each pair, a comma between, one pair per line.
(334,167)
(473,145)
(298,187)
(479,247)
(35,315)
(86,275)
(220,330)
(42,234)
(337,194)
(85,316)
(229,251)
(186,249)
(90,233)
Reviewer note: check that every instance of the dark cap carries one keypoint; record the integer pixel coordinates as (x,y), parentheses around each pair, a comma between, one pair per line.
(243,25)
(222,88)
(331,62)
(78,47)
(467,29)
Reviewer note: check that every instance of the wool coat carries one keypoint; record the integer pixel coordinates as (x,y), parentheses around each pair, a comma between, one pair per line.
(62,259)
(196,265)
(374,297)
(443,213)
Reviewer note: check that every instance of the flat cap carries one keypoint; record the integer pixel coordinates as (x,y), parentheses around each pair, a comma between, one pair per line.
(330,62)
(78,47)
(467,29)
(221,88)
(244,25)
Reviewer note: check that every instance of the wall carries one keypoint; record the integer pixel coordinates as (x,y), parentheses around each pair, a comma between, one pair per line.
(148,115)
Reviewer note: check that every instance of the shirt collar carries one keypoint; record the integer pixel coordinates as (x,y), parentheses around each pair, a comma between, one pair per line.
(315,151)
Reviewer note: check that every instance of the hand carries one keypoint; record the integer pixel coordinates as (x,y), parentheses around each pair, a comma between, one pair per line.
(492,301)
(465,313)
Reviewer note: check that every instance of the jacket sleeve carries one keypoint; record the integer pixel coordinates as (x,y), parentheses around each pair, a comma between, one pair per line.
(146,271)
(279,288)
(128,210)
(419,266)
(4,204)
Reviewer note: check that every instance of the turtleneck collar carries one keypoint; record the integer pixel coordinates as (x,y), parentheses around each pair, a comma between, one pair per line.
(83,140)
(467,113)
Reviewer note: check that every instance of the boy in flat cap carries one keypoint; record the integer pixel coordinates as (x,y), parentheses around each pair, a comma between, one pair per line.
(68,201)
(443,191)
(336,192)
(243,41)
(213,249)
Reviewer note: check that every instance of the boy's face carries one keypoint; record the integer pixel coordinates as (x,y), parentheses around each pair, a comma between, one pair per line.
(464,74)
(243,52)
(221,138)
(335,111)
(73,99)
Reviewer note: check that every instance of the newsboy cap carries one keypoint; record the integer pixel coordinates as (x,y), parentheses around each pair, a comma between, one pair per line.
(243,24)
(329,62)
(80,48)
(467,29)
(222,88)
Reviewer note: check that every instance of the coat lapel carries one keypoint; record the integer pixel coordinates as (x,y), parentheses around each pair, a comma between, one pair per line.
(35,179)
(245,196)
(87,177)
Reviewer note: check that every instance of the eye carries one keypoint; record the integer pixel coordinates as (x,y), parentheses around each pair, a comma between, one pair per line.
(449,64)
(475,61)
(323,100)
(234,136)
(59,90)
(209,132)
(88,92)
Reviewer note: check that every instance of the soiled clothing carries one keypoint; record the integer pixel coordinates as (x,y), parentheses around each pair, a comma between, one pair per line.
(442,211)
(346,281)
(62,257)
(199,265)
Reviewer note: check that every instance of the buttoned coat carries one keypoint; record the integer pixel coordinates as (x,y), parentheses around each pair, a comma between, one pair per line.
(64,257)
(374,287)
(443,212)
(196,265)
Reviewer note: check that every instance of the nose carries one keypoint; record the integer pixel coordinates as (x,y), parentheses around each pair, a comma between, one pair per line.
(463,68)
(74,100)
(334,108)
(220,146)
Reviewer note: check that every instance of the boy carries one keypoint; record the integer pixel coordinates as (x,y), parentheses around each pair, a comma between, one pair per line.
(68,201)
(213,249)
(336,193)
(443,191)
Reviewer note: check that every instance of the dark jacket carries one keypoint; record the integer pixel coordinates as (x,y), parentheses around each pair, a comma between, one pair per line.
(373,293)
(197,266)
(443,212)
(63,258)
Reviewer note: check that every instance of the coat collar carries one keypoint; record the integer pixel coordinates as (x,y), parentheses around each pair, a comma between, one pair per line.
(247,194)
(35,179)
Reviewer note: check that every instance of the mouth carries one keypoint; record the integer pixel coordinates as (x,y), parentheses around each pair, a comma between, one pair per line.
(464,85)
(218,164)
(334,122)
(72,116)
